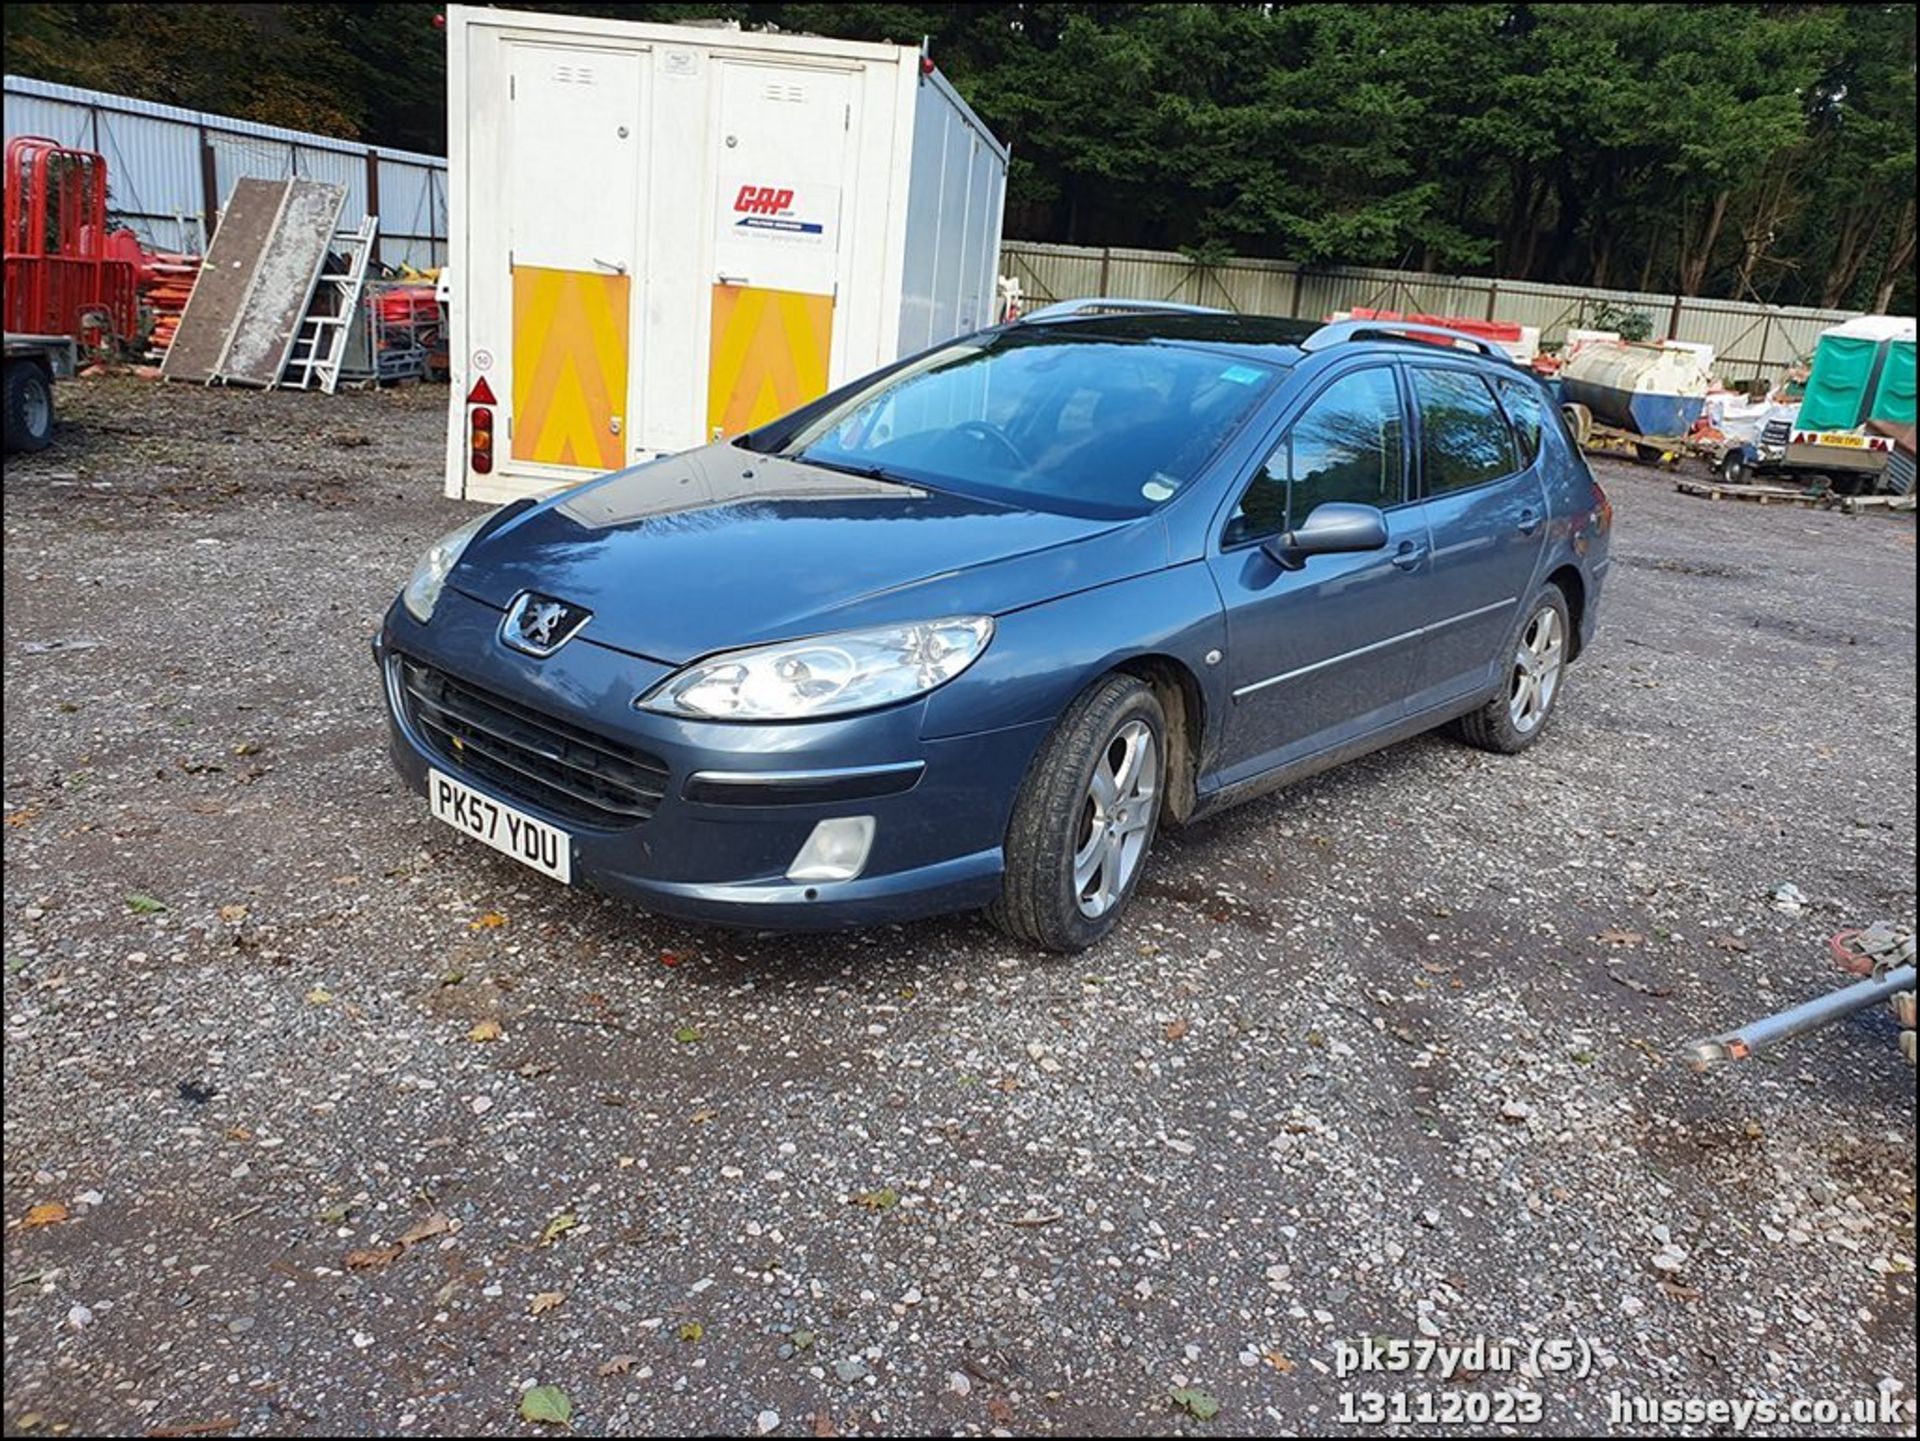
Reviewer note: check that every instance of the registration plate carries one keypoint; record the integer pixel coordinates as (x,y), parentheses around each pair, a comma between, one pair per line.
(546,848)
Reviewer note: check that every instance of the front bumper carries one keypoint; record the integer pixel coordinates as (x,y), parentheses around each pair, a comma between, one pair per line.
(740,799)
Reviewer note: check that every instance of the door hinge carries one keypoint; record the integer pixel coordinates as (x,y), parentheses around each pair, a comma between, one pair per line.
(513,86)
(847,122)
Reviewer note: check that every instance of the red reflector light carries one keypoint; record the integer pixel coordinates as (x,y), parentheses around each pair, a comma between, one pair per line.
(480,440)
(481,394)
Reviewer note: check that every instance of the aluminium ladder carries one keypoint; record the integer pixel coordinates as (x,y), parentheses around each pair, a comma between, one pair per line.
(322,342)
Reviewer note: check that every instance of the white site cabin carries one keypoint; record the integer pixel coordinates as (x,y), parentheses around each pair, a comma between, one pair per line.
(661,235)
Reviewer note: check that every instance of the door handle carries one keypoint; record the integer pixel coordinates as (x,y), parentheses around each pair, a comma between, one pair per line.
(1529,522)
(1409,556)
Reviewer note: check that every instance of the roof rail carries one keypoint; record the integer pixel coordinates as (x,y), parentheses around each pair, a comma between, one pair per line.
(1112,305)
(1339,332)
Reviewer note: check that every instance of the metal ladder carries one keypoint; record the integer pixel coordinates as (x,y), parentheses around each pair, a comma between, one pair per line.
(322,342)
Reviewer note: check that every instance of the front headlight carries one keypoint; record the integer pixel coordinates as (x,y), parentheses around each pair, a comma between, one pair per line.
(825,675)
(430,576)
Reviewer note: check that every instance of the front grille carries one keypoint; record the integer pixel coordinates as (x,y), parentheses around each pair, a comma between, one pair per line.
(550,763)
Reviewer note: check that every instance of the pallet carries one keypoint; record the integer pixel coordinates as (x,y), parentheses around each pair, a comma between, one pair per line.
(1782,495)
(1765,494)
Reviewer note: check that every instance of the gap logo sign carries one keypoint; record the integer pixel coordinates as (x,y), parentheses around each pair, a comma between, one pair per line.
(770,207)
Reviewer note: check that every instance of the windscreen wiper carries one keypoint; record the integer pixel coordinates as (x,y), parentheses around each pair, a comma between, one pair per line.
(865,472)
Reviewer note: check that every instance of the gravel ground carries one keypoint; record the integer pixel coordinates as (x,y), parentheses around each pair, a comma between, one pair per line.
(1386,1055)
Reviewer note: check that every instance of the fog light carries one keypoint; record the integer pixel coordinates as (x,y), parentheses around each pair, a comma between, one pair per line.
(836,851)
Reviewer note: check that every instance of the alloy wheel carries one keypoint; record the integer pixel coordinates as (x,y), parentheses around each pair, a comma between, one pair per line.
(1536,670)
(1116,819)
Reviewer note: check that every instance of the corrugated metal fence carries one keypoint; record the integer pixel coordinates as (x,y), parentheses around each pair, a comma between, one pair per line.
(170,170)
(1749,340)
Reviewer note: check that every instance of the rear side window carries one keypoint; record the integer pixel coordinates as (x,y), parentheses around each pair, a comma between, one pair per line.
(1527,411)
(1346,445)
(1464,439)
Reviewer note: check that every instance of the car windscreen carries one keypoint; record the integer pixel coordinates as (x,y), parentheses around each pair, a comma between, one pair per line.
(1038,418)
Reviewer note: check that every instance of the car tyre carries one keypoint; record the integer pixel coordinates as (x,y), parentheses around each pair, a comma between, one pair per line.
(1085,819)
(1536,672)
(29,406)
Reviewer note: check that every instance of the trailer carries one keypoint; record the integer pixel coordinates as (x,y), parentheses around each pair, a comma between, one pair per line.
(1842,423)
(663,235)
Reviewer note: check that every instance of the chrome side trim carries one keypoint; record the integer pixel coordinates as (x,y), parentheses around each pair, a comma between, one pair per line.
(1391,640)
(764,778)
(802,788)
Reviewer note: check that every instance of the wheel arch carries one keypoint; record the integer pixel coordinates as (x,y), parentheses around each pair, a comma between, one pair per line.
(1184,703)
(1573,586)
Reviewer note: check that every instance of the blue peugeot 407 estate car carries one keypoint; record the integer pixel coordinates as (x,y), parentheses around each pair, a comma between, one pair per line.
(967,631)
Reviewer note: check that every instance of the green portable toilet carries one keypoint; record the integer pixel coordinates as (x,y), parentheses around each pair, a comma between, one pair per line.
(1893,396)
(1848,364)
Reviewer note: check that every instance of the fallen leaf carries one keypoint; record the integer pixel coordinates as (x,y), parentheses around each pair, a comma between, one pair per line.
(233,913)
(619,1365)
(1197,1404)
(548,1405)
(558,1227)
(19,818)
(687,1036)
(374,1258)
(239,1133)
(884,1199)
(999,1411)
(491,921)
(803,1340)
(700,1118)
(1619,938)
(47,1213)
(545,1302)
(1176,1029)
(144,905)
(692,1331)
(823,1424)
(1730,943)
(427,1227)
(319,996)
(668,958)
(1278,1362)
(486,1030)
(1679,1292)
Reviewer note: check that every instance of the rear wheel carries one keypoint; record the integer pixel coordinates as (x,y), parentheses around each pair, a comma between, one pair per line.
(29,404)
(1733,469)
(1085,818)
(1516,715)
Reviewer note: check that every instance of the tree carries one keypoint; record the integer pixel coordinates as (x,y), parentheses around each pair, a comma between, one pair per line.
(1748,149)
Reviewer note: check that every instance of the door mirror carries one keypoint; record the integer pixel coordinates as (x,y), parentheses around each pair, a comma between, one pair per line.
(1336,528)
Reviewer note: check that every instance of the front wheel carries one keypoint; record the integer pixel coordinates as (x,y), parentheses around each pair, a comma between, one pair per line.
(1517,713)
(1085,819)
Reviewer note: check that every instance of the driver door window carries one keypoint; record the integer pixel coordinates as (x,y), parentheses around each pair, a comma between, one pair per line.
(1348,445)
